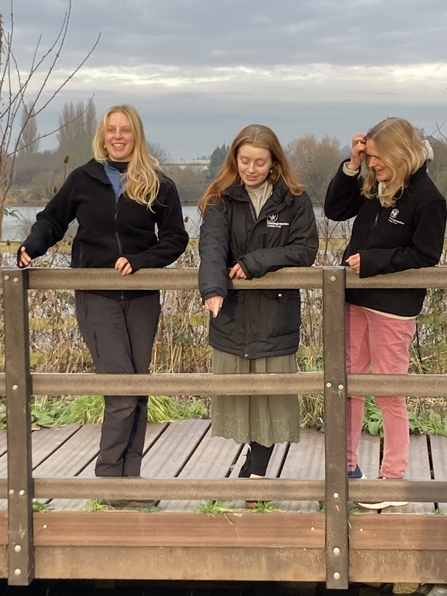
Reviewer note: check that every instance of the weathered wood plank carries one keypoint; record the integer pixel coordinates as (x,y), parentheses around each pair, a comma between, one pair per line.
(438,445)
(419,469)
(132,528)
(153,432)
(273,468)
(213,458)
(46,442)
(2,441)
(172,563)
(305,461)
(72,456)
(170,453)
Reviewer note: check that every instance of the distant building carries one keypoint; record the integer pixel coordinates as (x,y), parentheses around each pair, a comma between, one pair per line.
(200,164)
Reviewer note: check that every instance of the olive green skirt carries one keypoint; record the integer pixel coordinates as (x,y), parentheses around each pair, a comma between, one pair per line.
(266,419)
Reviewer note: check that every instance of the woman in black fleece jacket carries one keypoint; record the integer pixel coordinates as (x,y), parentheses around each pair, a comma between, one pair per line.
(129,217)
(400,224)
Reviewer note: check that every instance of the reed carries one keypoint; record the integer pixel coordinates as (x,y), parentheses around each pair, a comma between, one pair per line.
(181,346)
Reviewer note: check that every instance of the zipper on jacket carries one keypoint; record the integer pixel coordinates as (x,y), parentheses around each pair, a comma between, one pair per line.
(376,219)
(117,236)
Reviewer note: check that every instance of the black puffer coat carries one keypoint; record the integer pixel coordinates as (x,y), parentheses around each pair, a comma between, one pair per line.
(256,323)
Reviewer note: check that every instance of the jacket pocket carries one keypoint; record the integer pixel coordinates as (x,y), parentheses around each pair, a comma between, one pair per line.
(281,312)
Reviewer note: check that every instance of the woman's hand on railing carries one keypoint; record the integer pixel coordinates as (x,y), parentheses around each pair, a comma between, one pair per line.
(123,265)
(354,262)
(23,258)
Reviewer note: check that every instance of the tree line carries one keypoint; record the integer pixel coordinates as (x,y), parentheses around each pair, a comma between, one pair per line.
(39,173)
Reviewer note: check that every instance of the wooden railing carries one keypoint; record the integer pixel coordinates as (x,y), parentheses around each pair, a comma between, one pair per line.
(19,384)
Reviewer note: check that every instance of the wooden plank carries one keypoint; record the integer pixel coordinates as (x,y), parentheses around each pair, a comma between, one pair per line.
(2,441)
(273,469)
(170,453)
(426,567)
(398,532)
(369,455)
(213,458)
(71,456)
(193,564)
(438,446)
(419,469)
(132,528)
(45,442)
(153,432)
(305,461)
(369,462)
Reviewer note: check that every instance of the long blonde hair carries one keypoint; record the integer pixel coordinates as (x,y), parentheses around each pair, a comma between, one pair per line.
(142,176)
(258,136)
(403,152)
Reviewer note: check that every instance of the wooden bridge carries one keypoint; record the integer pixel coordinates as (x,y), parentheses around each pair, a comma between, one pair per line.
(184,464)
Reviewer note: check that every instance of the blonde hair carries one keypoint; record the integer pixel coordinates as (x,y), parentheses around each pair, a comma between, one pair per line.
(142,176)
(258,136)
(403,152)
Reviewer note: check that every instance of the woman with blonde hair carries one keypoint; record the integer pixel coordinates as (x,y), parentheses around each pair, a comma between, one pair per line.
(129,217)
(256,219)
(400,224)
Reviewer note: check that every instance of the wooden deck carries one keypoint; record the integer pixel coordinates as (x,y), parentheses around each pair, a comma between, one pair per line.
(187,449)
(177,543)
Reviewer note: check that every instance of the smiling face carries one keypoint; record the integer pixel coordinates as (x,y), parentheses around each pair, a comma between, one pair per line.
(253,164)
(375,162)
(119,139)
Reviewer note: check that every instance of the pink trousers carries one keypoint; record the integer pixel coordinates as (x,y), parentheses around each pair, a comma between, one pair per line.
(383,342)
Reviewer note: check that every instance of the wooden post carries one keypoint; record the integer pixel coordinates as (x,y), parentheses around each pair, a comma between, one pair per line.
(18,396)
(337,554)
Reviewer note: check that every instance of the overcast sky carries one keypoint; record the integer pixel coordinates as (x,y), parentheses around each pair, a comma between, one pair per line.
(200,70)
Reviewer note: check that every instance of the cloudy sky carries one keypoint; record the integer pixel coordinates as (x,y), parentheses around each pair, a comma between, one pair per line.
(200,70)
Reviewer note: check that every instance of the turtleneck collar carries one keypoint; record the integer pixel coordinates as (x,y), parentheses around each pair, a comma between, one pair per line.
(121,166)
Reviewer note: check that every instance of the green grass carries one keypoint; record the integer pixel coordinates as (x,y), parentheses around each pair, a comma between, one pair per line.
(215,507)
(39,507)
(266,507)
(51,410)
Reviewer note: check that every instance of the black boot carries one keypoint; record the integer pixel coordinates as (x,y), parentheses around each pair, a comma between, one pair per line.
(245,470)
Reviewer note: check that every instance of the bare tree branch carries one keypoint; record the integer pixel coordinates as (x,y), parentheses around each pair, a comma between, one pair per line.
(15,95)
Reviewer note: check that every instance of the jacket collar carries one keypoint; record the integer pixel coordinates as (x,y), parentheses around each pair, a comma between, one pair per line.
(95,169)
(280,192)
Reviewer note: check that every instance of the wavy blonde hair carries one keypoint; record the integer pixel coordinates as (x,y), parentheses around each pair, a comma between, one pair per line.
(403,152)
(142,176)
(258,136)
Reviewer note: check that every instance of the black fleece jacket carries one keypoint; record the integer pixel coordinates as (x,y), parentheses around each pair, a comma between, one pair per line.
(110,226)
(256,323)
(408,235)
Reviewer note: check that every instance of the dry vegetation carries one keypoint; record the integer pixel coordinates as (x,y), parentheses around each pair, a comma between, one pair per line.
(182,347)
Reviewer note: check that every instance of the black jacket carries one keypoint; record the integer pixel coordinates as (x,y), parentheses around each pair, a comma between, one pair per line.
(256,323)
(409,235)
(111,227)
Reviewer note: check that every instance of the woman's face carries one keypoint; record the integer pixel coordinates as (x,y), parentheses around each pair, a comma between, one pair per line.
(253,164)
(383,173)
(119,139)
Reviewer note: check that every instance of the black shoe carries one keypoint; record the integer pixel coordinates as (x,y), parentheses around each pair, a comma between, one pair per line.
(245,470)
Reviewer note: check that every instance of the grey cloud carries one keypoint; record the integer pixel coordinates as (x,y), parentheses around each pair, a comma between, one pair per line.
(216,33)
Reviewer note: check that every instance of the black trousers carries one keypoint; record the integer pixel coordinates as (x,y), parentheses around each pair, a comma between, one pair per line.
(120,335)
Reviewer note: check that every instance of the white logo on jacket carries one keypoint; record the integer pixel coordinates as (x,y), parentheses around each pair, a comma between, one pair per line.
(272,221)
(393,218)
